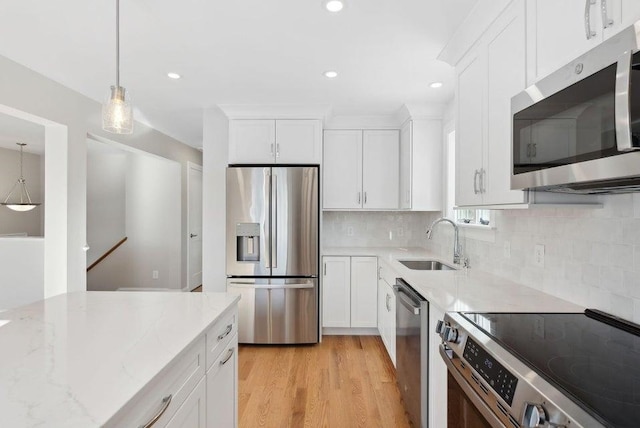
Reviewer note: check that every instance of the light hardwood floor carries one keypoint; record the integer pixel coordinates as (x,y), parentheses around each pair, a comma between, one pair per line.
(346,381)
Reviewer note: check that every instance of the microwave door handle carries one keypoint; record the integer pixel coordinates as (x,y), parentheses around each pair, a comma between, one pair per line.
(623,121)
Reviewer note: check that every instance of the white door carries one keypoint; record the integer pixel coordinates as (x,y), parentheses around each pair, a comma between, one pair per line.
(252,141)
(506,77)
(405,165)
(194,256)
(192,413)
(560,35)
(364,291)
(222,388)
(298,141)
(469,147)
(342,165)
(381,169)
(336,294)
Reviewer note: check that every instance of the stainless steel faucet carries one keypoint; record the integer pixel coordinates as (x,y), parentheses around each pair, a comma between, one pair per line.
(457,252)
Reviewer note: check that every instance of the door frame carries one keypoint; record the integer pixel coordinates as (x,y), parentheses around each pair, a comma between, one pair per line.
(190,165)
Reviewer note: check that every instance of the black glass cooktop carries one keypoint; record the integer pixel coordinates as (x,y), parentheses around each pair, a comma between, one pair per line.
(596,363)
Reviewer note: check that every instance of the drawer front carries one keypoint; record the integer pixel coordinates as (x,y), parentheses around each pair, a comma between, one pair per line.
(166,392)
(222,388)
(219,336)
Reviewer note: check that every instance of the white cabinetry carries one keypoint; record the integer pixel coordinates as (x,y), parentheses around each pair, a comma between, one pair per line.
(192,414)
(560,31)
(274,141)
(361,169)
(222,377)
(387,311)
(421,165)
(349,292)
(487,78)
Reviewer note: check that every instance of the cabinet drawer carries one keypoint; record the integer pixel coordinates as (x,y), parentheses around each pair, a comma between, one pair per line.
(176,381)
(219,336)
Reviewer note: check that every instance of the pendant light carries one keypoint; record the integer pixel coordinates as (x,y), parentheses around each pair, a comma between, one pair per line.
(117,113)
(25,203)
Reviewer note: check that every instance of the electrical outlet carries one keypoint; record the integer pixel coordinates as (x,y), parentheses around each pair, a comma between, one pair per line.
(155,274)
(538,326)
(350,231)
(507,249)
(538,255)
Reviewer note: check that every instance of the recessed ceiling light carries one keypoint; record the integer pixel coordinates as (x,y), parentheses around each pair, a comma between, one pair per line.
(331,74)
(334,5)
(173,75)
(436,85)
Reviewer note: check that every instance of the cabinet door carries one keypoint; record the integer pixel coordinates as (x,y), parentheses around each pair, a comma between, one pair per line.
(405,165)
(470,135)
(506,77)
(559,33)
(364,291)
(427,162)
(298,141)
(192,413)
(390,321)
(342,165)
(336,292)
(381,169)
(620,14)
(222,388)
(252,141)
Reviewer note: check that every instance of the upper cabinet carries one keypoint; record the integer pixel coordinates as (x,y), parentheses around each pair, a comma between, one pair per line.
(560,31)
(275,141)
(361,169)
(421,165)
(490,74)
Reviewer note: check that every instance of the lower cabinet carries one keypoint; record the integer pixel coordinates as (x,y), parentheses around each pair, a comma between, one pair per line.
(192,413)
(437,373)
(349,291)
(387,314)
(222,377)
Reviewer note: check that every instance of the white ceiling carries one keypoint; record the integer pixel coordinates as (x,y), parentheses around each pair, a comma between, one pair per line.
(239,52)
(14,130)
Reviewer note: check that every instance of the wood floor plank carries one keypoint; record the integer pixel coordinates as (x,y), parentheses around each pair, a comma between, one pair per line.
(346,381)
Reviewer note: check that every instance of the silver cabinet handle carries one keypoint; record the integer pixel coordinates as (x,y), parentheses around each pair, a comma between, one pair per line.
(358,198)
(365,198)
(228,357)
(587,19)
(165,405)
(271,151)
(606,21)
(475,182)
(387,303)
(529,150)
(325,269)
(193,235)
(483,172)
(277,150)
(535,150)
(226,332)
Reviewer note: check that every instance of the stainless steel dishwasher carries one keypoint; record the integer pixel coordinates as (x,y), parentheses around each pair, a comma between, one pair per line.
(412,346)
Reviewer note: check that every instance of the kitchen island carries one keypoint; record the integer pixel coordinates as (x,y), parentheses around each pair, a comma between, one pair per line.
(90,359)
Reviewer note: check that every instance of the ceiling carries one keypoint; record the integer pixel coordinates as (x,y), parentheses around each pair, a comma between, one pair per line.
(14,130)
(239,52)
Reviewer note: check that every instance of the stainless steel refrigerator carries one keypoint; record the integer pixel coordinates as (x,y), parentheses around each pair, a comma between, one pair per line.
(272,252)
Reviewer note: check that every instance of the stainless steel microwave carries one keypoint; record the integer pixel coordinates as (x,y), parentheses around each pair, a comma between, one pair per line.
(578,130)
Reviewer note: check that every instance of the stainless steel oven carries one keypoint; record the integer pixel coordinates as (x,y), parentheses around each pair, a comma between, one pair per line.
(543,370)
(578,130)
(412,342)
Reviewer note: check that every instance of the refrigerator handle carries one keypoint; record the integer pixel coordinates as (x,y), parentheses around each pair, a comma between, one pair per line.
(274,222)
(267,221)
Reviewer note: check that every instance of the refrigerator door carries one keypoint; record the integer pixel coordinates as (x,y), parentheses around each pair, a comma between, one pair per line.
(248,221)
(276,311)
(294,216)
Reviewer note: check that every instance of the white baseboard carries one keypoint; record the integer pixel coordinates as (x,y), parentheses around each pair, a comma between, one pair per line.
(350,331)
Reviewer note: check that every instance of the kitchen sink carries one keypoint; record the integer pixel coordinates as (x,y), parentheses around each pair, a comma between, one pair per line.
(426,265)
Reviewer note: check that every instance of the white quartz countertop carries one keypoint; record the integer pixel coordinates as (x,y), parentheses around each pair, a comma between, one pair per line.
(74,360)
(462,290)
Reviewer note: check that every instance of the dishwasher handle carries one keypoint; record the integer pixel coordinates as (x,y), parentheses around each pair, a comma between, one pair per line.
(406,301)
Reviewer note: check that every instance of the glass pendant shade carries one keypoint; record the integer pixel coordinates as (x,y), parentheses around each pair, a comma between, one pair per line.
(117,113)
(23,203)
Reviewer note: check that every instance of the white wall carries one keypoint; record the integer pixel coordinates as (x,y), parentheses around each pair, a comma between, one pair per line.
(30,222)
(24,282)
(69,117)
(216,153)
(106,198)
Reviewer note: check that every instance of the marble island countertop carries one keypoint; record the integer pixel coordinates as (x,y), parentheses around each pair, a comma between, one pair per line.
(75,360)
(464,289)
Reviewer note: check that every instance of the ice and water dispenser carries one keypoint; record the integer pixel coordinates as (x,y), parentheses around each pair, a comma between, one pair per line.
(248,242)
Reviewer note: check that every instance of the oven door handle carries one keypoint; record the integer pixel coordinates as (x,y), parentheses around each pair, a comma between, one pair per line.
(472,395)
(406,301)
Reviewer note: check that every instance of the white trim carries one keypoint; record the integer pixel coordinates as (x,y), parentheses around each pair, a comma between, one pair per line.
(350,331)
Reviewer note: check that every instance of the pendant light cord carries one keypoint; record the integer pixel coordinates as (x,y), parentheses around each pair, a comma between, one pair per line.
(21,175)
(117,43)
